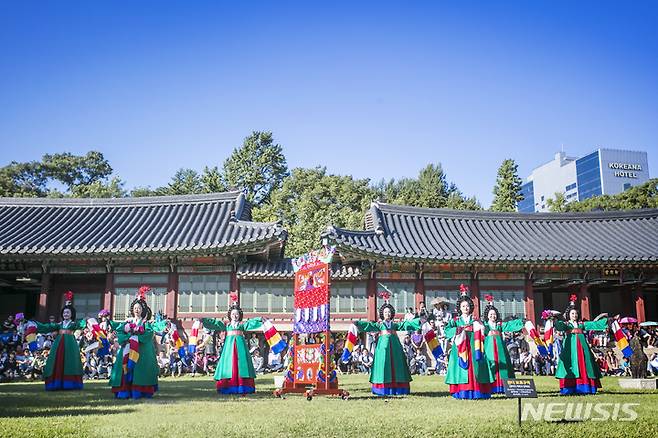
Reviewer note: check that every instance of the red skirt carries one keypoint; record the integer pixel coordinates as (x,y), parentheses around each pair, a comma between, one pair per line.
(582,384)
(236,384)
(58,380)
(473,389)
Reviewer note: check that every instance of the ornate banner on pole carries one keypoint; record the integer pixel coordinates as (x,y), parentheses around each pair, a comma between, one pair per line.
(312,295)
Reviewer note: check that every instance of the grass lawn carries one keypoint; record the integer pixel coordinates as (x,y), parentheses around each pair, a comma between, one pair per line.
(191,407)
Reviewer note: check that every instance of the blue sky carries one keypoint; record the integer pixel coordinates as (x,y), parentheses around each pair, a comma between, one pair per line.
(371,89)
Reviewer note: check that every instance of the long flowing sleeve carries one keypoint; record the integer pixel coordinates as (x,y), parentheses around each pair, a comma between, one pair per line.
(253,324)
(214,324)
(367,326)
(80,324)
(514,325)
(46,327)
(159,326)
(561,326)
(413,324)
(600,325)
(115,325)
(450,329)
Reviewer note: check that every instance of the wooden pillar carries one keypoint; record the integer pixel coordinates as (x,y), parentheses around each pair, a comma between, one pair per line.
(585,296)
(372,298)
(108,301)
(171,300)
(420,291)
(475,295)
(638,297)
(529,300)
(42,310)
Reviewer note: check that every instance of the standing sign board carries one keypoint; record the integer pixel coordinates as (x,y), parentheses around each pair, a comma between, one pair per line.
(520,388)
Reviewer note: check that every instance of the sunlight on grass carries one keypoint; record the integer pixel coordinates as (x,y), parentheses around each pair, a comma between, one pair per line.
(191,407)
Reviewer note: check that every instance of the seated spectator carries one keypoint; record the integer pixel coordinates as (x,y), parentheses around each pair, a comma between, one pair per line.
(8,325)
(420,362)
(274,362)
(366,361)
(257,359)
(653,365)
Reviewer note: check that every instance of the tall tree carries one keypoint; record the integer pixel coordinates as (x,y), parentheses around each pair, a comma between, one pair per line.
(558,204)
(431,189)
(100,189)
(23,180)
(258,166)
(507,191)
(184,182)
(212,180)
(81,175)
(309,200)
(77,170)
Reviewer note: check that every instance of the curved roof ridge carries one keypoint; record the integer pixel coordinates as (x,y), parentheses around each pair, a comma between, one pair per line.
(142,200)
(484,214)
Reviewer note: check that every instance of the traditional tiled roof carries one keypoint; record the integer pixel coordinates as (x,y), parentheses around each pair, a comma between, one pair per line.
(439,235)
(217,223)
(282,270)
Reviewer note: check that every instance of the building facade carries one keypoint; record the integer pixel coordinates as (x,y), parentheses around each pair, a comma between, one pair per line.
(602,172)
(528,262)
(193,250)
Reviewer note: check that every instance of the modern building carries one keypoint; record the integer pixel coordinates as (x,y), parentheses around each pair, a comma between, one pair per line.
(193,250)
(602,172)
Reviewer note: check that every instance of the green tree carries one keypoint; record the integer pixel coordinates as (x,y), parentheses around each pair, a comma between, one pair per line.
(81,175)
(309,200)
(457,201)
(431,189)
(77,170)
(641,196)
(258,166)
(23,180)
(507,191)
(212,180)
(143,191)
(184,182)
(558,204)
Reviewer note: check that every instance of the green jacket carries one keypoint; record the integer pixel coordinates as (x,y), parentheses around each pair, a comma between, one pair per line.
(505,366)
(388,353)
(567,367)
(72,363)
(456,374)
(146,369)
(225,365)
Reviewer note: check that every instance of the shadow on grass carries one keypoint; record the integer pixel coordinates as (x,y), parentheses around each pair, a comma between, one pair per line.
(66,412)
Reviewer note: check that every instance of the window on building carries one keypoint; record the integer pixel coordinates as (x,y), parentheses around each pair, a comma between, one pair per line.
(207,293)
(349,297)
(570,187)
(267,296)
(402,294)
(627,186)
(87,304)
(125,291)
(588,176)
(509,303)
(123,296)
(446,289)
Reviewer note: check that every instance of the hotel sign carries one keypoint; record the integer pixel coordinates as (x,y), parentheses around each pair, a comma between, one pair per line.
(625,170)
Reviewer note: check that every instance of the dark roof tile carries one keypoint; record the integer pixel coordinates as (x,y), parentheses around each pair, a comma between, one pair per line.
(441,235)
(218,223)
